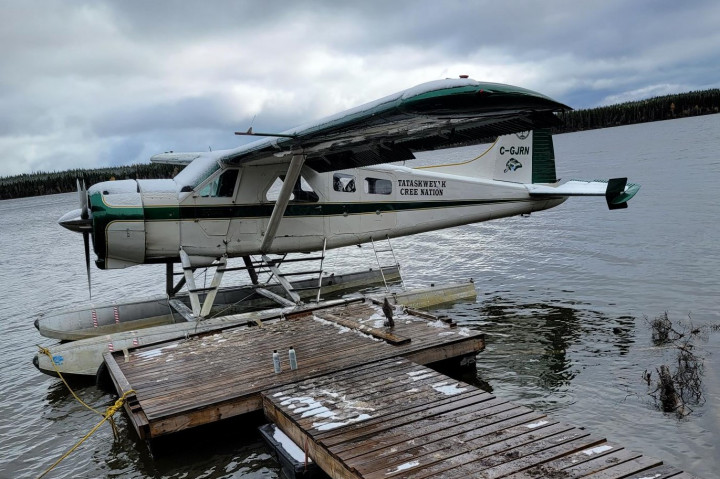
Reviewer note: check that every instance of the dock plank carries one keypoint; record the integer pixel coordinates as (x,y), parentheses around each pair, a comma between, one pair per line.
(601,463)
(531,455)
(446,436)
(604,452)
(633,467)
(209,377)
(358,424)
(412,411)
(480,454)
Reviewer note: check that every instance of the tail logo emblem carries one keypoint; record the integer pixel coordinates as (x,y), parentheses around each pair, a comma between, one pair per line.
(512,165)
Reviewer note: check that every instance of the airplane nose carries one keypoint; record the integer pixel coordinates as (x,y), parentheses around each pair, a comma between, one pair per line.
(74,221)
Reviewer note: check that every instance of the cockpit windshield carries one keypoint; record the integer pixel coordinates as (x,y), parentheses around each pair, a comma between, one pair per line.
(222,186)
(196,172)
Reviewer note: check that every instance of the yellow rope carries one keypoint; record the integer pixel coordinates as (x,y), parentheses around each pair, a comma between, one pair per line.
(47,352)
(107,416)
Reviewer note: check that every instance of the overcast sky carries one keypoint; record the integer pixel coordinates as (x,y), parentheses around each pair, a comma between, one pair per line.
(100,83)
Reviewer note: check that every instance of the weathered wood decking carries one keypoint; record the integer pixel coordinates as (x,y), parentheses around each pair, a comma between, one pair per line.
(395,418)
(203,379)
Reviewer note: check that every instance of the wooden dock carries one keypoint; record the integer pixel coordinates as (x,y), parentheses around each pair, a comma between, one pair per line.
(206,378)
(395,418)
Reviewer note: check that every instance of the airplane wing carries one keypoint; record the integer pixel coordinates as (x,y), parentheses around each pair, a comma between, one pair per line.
(432,115)
(171,158)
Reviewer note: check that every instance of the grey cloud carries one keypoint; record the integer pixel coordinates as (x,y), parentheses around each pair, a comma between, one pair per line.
(120,80)
(209,112)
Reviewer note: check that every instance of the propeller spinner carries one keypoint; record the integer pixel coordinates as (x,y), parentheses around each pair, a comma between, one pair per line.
(80,221)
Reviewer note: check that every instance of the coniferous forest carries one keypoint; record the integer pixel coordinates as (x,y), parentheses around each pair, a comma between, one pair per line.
(654,109)
(42,183)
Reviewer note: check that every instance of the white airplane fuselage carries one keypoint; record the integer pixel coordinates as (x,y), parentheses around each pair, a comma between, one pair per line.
(148,221)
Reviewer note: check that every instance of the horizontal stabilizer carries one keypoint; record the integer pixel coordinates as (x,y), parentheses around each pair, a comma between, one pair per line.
(617,191)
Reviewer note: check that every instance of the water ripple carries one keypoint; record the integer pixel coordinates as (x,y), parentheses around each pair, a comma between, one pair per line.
(561,299)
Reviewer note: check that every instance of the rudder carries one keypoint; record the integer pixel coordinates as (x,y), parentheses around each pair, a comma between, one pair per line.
(526,157)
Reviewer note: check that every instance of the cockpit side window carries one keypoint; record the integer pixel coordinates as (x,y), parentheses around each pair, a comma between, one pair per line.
(222,186)
(343,182)
(302,191)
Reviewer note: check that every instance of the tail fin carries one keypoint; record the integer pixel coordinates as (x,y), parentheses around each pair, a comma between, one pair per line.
(618,192)
(526,157)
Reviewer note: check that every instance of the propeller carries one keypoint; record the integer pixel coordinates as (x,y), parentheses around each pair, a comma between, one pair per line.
(85,215)
(80,221)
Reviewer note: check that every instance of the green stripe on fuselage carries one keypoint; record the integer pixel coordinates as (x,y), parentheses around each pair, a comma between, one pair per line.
(159,213)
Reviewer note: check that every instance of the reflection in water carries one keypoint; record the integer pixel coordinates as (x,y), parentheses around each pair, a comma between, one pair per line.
(58,394)
(231,448)
(537,349)
(562,292)
(539,339)
(624,334)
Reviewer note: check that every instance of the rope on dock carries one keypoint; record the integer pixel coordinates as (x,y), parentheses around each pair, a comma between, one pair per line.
(107,416)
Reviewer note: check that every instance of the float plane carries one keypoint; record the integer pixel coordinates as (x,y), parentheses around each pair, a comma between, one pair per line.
(329,184)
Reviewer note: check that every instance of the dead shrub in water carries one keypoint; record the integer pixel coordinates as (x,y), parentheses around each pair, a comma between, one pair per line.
(662,329)
(688,374)
(676,390)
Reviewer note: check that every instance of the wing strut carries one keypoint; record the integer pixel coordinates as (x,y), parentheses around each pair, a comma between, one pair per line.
(281,203)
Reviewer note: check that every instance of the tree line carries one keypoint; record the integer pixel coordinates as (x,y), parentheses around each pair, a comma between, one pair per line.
(48,183)
(653,109)
(658,108)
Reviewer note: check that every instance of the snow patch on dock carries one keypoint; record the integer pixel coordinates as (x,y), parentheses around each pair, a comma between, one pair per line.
(343,329)
(419,375)
(403,467)
(153,353)
(448,389)
(331,411)
(536,424)
(597,450)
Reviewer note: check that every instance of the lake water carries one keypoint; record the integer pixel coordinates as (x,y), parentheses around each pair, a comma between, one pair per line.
(562,297)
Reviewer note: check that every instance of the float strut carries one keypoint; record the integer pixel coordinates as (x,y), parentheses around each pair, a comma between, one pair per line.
(250,269)
(169,279)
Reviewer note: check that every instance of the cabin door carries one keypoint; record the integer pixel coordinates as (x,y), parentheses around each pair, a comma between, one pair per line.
(342,211)
(377,199)
(207,213)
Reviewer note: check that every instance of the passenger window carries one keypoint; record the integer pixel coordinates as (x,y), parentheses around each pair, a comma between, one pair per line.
(222,186)
(301,192)
(378,186)
(343,182)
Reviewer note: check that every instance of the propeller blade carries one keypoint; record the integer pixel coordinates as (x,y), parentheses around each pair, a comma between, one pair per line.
(82,193)
(86,240)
